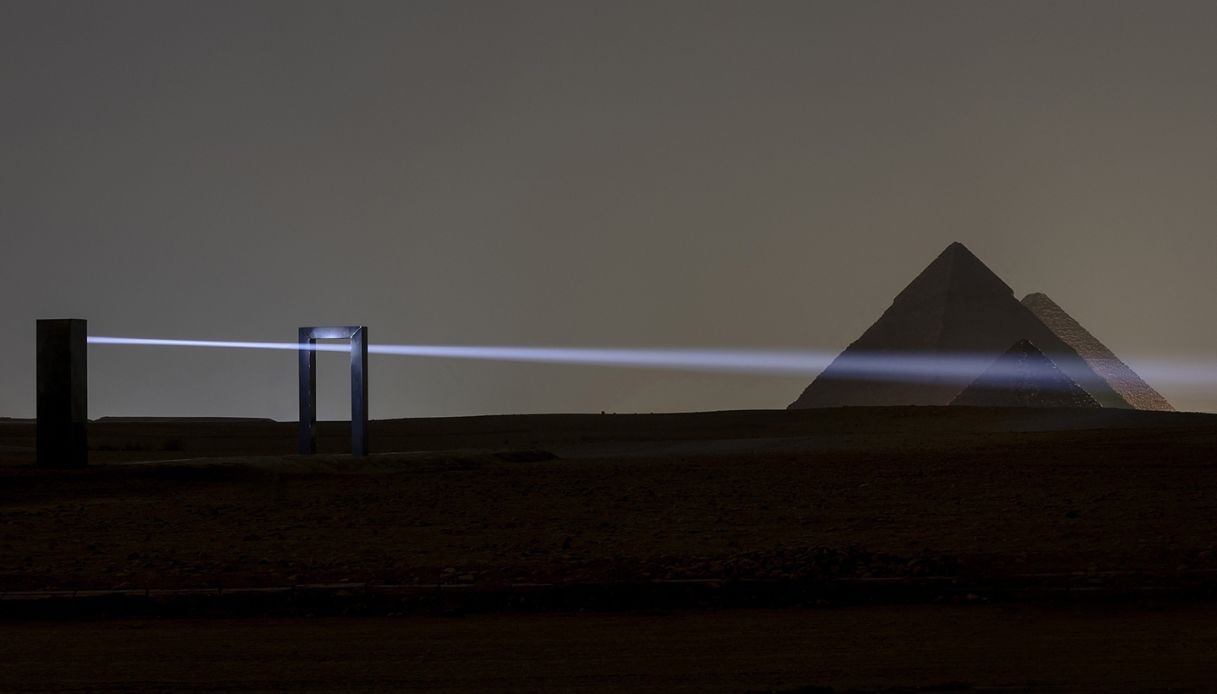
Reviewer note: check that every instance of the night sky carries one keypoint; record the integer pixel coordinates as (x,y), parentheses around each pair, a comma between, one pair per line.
(642,174)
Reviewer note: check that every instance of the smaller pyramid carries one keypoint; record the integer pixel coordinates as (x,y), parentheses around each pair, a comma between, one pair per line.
(1024,377)
(1097,356)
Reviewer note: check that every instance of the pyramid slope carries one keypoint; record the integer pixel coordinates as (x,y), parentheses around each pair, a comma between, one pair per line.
(957,305)
(1024,377)
(1101,360)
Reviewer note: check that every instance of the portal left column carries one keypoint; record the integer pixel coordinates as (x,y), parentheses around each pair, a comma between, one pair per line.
(63,393)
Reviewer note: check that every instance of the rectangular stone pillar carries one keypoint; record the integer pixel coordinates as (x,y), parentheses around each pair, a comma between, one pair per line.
(63,393)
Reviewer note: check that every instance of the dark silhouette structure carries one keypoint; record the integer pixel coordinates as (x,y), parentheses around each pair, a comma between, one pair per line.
(63,393)
(956,306)
(308,336)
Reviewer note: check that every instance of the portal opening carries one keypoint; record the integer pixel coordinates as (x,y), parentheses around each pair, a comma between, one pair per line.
(308,338)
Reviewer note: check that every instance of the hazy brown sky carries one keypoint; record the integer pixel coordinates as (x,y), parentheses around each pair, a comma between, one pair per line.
(735,174)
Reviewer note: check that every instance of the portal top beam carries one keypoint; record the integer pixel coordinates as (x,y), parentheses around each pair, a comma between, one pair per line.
(330,332)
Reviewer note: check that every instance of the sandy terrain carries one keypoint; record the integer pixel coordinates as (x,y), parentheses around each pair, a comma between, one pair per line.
(1113,513)
(905,493)
(872,649)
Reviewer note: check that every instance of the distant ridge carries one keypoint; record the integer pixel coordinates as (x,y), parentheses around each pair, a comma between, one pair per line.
(1024,377)
(957,305)
(159,420)
(1101,360)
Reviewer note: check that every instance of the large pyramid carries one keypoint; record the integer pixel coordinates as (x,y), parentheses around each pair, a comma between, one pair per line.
(1024,377)
(955,307)
(1101,360)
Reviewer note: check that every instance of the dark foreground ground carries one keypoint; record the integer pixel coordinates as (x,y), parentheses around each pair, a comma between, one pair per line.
(1056,551)
(875,649)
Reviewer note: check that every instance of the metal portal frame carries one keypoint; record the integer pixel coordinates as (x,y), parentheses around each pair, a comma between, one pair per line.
(358,335)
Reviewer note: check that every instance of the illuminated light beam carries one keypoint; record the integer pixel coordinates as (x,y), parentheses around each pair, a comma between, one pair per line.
(778,362)
(293,346)
(1180,372)
(746,361)
(909,366)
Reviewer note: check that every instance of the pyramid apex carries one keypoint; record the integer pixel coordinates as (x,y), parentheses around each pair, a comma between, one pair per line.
(958,255)
(957,248)
(955,270)
(1024,346)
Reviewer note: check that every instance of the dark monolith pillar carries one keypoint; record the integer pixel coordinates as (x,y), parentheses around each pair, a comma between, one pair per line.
(63,393)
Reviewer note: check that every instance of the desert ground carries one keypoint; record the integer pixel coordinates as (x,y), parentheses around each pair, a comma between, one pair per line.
(851,549)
